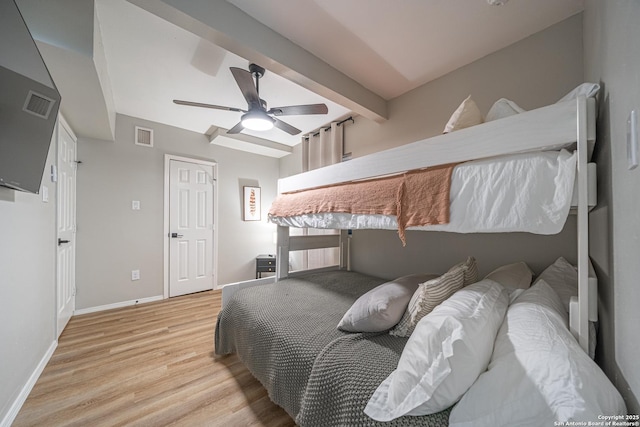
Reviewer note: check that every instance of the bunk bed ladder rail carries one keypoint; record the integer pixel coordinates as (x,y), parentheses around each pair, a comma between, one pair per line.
(583,309)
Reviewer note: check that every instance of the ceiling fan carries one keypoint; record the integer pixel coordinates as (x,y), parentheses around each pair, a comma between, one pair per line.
(257,117)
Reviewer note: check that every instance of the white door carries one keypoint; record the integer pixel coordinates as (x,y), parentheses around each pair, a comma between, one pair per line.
(66,219)
(191,255)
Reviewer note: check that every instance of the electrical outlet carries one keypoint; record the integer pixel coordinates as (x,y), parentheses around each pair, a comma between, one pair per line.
(135,205)
(135,274)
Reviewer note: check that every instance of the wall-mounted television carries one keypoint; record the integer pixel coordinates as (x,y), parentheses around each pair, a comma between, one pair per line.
(29,104)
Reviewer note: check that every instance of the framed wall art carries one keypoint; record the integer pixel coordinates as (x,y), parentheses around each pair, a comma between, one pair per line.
(251,204)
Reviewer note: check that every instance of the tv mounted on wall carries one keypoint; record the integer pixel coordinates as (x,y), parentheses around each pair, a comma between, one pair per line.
(29,104)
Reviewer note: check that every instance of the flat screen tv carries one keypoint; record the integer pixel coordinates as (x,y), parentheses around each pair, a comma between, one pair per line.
(29,104)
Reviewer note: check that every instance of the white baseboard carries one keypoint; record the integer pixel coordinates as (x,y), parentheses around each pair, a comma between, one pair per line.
(117,305)
(11,415)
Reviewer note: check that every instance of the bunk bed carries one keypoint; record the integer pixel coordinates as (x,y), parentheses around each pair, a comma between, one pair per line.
(324,376)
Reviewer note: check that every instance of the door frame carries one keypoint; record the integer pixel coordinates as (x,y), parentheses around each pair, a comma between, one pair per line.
(62,123)
(167,169)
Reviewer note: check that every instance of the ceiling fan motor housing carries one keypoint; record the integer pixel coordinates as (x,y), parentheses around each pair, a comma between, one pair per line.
(256,70)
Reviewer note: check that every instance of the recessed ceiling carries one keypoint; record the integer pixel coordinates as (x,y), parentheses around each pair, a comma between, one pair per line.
(392,47)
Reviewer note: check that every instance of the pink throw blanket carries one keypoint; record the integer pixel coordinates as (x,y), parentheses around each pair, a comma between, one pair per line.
(415,198)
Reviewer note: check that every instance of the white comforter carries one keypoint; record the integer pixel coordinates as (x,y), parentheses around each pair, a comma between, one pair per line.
(528,192)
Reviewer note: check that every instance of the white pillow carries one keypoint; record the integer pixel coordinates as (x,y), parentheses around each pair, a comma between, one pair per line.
(466,115)
(586,89)
(512,276)
(382,307)
(563,278)
(427,297)
(538,375)
(503,108)
(445,354)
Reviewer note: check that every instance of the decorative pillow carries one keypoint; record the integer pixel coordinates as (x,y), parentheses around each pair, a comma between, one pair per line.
(538,374)
(563,278)
(512,276)
(444,356)
(466,115)
(586,89)
(427,297)
(469,270)
(382,307)
(503,108)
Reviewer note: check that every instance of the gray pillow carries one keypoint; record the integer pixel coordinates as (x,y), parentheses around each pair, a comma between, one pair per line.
(383,306)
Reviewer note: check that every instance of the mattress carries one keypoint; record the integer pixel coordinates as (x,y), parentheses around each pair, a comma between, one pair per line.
(530,192)
(321,376)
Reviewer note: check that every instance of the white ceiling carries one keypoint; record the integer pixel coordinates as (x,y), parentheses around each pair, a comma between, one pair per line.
(389,47)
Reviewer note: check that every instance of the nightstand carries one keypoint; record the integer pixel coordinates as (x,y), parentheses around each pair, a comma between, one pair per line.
(265,264)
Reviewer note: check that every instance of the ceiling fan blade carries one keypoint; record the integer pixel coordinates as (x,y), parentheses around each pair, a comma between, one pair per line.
(236,129)
(215,107)
(299,109)
(246,85)
(286,127)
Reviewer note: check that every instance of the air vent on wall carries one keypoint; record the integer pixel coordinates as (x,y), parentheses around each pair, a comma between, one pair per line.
(144,136)
(38,105)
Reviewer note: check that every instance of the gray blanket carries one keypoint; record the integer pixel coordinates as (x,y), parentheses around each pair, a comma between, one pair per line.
(286,335)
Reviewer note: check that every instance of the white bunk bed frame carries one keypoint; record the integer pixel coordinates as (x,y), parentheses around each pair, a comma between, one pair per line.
(547,128)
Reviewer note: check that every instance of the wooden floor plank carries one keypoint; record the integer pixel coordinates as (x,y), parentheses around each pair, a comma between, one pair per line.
(148,365)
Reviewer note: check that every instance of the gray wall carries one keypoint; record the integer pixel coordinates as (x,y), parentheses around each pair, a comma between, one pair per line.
(435,252)
(113,239)
(534,72)
(27,285)
(612,57)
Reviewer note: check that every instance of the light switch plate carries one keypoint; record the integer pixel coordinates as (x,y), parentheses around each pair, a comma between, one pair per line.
(135,274)
(45,194)
(135,205)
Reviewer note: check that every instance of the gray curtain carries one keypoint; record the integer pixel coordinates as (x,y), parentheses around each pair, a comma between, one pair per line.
(321,150)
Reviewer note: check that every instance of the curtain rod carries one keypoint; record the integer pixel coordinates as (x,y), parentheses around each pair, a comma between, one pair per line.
(350,118)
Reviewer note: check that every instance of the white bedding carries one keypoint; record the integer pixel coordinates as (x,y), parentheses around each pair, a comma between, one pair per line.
(528,192)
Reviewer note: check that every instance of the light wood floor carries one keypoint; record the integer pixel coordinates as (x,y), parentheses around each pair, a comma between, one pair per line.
(148,365)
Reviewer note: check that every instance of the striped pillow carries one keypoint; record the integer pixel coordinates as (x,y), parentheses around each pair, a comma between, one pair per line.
(469,269)
(428,295)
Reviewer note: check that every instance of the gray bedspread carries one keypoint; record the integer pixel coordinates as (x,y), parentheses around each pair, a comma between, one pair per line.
(286,334)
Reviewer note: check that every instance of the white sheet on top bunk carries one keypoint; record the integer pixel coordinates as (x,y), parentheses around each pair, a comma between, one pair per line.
(528,192)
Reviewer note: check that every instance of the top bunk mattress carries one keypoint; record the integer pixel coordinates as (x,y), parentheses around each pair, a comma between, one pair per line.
(530,192)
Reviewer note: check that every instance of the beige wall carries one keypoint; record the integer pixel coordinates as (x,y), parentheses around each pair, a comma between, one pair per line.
(27,285)
(534,72)
(612,57)
(113,239)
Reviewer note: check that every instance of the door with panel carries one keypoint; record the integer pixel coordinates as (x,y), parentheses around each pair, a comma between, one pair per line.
(66,225)
(191,191)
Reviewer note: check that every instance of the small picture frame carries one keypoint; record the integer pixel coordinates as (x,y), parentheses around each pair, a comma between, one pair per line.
(251,204)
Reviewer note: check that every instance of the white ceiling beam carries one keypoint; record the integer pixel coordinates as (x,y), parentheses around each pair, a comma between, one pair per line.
(232,29)
(249,143)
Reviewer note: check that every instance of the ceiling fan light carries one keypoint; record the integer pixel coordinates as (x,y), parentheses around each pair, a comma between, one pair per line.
(257,121)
